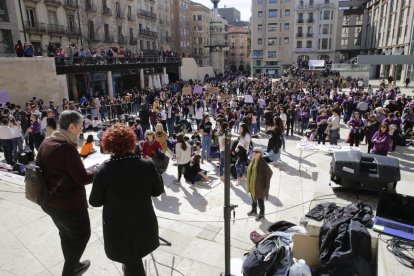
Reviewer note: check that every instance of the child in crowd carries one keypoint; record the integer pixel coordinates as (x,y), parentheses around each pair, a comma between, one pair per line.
(95,123)
(88,123)
(87,147)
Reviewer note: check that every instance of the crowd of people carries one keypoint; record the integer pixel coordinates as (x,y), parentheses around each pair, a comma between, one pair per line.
(145,128)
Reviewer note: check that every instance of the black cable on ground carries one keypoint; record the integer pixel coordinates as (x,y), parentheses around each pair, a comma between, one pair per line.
(403,250)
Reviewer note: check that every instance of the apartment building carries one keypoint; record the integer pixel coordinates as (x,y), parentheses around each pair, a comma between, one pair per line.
(232,15)
(181,32)
(44,21)
(390,32)
(272,27)
(200,30)
(351,33)
(238,54)
(315,30)
(9,32)
(165,22)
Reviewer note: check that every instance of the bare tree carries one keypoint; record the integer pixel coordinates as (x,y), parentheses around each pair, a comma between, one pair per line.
(92,23)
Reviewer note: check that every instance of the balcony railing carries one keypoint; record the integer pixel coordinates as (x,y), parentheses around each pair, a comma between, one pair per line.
(56,29)
(35,27)
(147,33)
(70,4)
(133,41)
(106,11)
(326,6)
(73,31)
(53,2)
(299,35)
(300,21)
(168,39)
(310,20)
(91,8)
(122,39)
(304,50)
(309,34)
(305,7)
(147,14)
(65,65)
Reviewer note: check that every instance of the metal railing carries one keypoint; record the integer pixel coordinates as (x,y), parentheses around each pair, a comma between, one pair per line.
(35,27)
(71,4)
(133,41)
(89,7)
(310,20)
(326,6)
(108,39)
(147,14)
(300,21)
(299,35)
(56,29)
(73,31)
(309,34)
(106,11)
(101,61)
(350,67)
(147,33)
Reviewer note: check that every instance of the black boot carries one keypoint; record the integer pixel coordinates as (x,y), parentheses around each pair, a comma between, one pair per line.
(253,212)
(259,217)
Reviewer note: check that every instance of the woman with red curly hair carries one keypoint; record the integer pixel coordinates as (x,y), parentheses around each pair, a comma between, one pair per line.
(124,186)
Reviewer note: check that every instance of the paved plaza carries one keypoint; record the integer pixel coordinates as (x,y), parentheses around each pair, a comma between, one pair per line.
(190,218)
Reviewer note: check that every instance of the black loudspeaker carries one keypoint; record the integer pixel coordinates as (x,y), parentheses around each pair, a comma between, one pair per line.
(353,169)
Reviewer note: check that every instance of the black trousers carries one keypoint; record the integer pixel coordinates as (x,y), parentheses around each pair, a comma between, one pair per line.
(7,145)
(134,269)
(181,168)
(74,231)
(259,202)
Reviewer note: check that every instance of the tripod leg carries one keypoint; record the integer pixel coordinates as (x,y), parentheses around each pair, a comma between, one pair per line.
(167,243)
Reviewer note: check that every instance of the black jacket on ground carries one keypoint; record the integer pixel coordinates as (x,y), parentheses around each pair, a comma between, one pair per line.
(124,186)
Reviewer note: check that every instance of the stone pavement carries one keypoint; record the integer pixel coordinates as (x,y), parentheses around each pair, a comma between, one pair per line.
(192,219)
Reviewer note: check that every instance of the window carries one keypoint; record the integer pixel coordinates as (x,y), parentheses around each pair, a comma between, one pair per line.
(272,27)
(326,15)
(299,44)
(272,13)
(259,27)
(259,2)
(324,44)
(259,62)
(273,1)
(260,41)
(271,63)
(91,31)
(131,33)
(129,13)
(200,28)
(286,27)
(31,18)
(260,14)
(286,40)
(257,54)
(324,29)
(345,32)
(344,42)
(271,54)
(71,22)
(6,42)
(200,40)
(4,17)
(118,9)
(272,41)
(287,12)
(199,17)
(309,44)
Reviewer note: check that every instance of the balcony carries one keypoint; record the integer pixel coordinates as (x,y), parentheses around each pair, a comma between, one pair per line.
(90,7)
(55,3)
(147,14)
(300,21)
(133,41)
(326,6)
(147,33)
(131,18)
(304,50)
(305,7)
(299,35)
(168,39)
(310,20)
(35,27)
(108,39)
(70,4)
(55,29)
(309,34)
(106,11)
(73,32)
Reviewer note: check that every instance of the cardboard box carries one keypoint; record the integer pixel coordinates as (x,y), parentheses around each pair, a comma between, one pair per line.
(307,248)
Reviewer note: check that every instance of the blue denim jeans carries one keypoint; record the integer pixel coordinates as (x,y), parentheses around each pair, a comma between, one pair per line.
(205,146)
(221,168)
(170,126)
(272,156)
(240,167)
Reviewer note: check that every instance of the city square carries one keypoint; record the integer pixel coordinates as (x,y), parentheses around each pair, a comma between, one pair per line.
(225,85)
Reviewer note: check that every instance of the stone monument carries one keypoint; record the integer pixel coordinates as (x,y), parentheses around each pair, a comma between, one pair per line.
(217,40)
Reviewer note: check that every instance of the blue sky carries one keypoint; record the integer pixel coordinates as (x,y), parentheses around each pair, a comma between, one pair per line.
(242,5)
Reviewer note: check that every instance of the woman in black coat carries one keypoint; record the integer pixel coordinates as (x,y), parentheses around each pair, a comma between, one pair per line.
(124,186)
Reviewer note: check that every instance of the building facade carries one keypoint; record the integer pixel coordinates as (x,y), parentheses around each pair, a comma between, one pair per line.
(238,54)
(165,24)
(200,30)
(181,33)
(390,32)
(9,32)
(271,36)
(315,30)
(232,15)
(351,33)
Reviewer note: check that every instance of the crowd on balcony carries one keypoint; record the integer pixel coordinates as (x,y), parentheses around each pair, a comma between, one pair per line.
(25,50)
